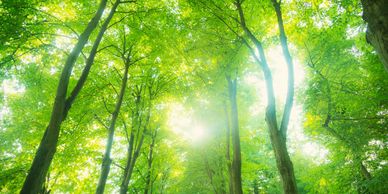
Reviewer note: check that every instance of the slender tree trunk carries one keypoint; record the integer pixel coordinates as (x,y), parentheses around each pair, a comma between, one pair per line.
(48,144)
(149,164)
(278,141)
(90,60)
(130,166)
(106,162)
(131,142)
(228,160)
(124,186)
(375,13)
(289,181)
(131,161)
(290,67)
(236,163)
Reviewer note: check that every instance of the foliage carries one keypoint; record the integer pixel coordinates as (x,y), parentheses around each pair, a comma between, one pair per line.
(188,48)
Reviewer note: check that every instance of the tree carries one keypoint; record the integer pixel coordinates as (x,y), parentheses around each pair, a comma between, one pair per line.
(277,134)
(106,162)
(376,16)
(170,97)
(47,147)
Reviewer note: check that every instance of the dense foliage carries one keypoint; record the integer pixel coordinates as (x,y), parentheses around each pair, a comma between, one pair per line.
(174,86)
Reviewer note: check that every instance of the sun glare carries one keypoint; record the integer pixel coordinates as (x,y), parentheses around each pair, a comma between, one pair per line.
(12,87)
(182,123)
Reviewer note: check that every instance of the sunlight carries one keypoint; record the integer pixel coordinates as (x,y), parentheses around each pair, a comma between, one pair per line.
(12,87)
(298,141)
(279,71)
(198,133)
(182,123)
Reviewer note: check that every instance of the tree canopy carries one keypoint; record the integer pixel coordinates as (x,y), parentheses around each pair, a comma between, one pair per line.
(193,96)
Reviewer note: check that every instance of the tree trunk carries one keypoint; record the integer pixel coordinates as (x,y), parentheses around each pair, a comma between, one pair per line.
(124,185)
(290,67)
(236,163)
(106,162)
(376,15)
(283,161)
(130,166)
(148,184)
(278,141)
(228,161)
(48,144)
(131,161)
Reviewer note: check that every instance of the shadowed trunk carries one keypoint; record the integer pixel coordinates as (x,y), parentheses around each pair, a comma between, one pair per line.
(106,162)
(134,148)
(376,15)
(130,166)
(150,159)
(228,160)
(236,162)
(48,144)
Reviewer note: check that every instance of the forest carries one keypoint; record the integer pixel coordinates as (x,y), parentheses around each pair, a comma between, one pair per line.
(194,96)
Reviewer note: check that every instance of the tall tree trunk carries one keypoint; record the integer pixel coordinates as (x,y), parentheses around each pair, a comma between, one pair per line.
(290,67)
(278,141)
(130,166)
(228,160)
(106,162)
(124,185)
(148,183)
(376,15)
(48,144)
(132,157)
(236,163)
(289,181)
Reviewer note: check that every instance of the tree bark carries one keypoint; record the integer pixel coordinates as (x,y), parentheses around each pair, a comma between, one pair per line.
(48,144)
(290,66)
(132,157)
(278,142)
(236,162)
(375,13)
(130,166)
(150,159)
(228,160)
(106,162)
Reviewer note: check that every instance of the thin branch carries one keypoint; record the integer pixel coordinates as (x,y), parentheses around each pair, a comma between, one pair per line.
(118,165)
(100,121)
